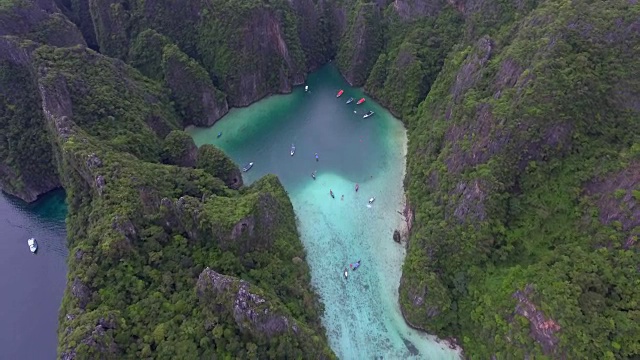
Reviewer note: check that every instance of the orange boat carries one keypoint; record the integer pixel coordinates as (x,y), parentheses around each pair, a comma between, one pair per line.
(340,93)
(360,101)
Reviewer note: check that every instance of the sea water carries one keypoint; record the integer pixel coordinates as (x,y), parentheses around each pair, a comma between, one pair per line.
(362,315)
(31,284)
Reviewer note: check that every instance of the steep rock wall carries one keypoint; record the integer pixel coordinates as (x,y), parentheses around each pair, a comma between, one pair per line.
(40,21)
(508,136)
(26,162)
(362,42)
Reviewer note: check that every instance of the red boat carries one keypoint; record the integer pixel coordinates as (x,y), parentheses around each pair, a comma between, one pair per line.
(340,93)
(360,101)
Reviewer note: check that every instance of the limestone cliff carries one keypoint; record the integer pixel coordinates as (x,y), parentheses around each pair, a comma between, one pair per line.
(320,26)
(508,156)
(256,313)
(361,43)
(26,163)
(198,101)
(40,21)
(140,232)
(217,163)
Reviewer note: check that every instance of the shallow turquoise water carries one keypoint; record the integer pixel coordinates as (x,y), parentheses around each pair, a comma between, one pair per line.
(31,285)
(362,316)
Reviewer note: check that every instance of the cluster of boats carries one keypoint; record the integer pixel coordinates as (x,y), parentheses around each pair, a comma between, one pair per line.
(361,101)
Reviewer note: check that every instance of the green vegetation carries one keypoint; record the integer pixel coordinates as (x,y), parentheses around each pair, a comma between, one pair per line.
(140,233)
(523,168)
(217,163)
(179,149)
(411,59)
(25,151)
(362,42)
(506,151)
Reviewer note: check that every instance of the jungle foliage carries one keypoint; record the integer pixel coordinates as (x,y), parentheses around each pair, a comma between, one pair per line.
(519,128)
(523,169)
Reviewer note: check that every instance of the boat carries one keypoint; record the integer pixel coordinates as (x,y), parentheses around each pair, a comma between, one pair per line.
(317,159)
(247,167)
(340,93)
(357,187)
(356,265)
(350,100)
(313,175)
(219,134)
(369,113)
(372,200)
(293,149)
(33,245)
(306,88)
(360,101)
(331,193)
(346,274)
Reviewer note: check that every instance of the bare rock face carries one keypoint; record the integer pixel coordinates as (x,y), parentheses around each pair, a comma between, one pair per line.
(264,36)
(543,329)
(414,9)
(81,292)
(252,312)
(96,331)
(197,99)
(616,197)
(361,44)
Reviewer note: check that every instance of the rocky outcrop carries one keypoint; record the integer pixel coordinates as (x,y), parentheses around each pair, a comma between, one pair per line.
(617,198)
(543,329)
(40,21)
(251,310)
(217,163)
(255,313)
(361,43)
(254,226)
(199,102)
(415,9)
(95,336)
(179,149)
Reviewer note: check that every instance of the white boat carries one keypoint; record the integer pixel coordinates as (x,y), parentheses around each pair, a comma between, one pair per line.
(306,88)
(293,149)
(369,113)
(346,274)
(33,245)
(372,200)
(247,167)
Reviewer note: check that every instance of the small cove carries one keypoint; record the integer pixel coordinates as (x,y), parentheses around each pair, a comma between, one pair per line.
(362,316)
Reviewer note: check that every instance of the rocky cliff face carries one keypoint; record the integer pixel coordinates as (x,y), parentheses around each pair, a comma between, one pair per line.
(501,153)
(40,21)
(218,164)
(198,101)
(320,27)
(27,169)
(255,313)
(361,43)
